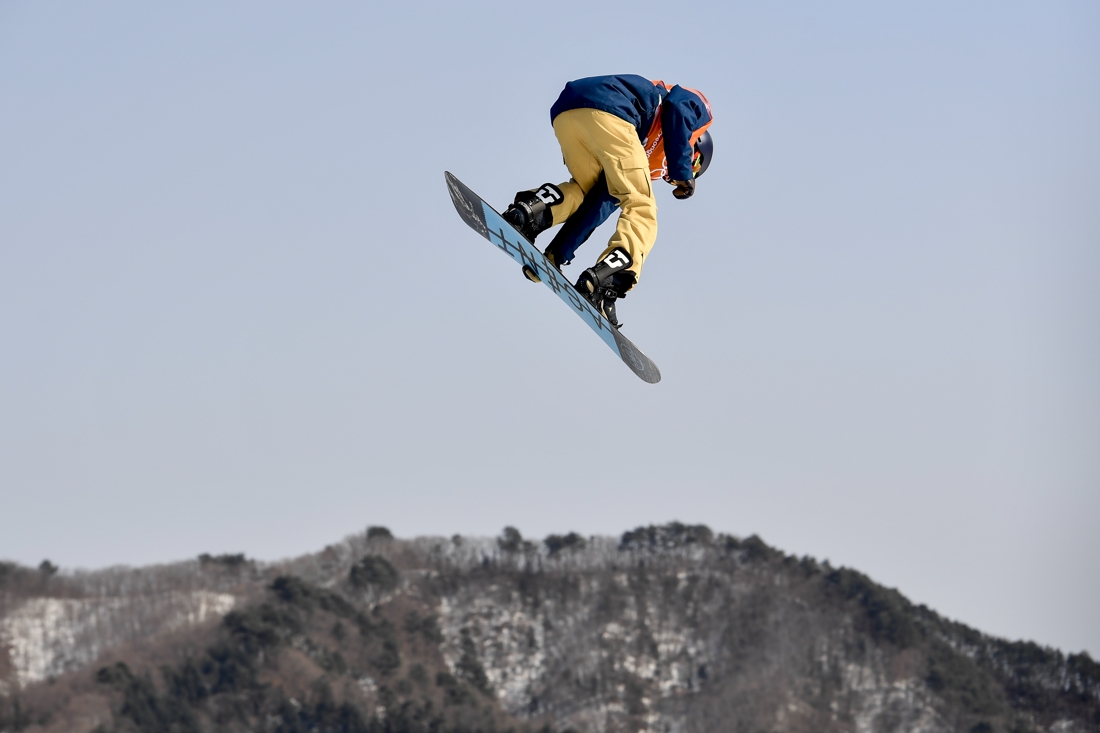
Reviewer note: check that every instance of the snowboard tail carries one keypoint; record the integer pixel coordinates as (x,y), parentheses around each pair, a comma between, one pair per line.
(484,220)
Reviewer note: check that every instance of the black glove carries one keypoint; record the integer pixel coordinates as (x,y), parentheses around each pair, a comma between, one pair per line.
(683,189)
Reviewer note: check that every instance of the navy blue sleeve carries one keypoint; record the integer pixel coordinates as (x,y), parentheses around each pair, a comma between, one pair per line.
(597,206)
(683,113)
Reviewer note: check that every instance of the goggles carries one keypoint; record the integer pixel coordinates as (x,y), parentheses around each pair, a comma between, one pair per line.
(696,162)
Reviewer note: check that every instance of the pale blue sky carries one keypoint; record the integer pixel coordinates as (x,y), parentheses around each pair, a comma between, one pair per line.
(238,312)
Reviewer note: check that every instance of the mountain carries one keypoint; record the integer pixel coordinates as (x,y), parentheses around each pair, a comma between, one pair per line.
(669,629)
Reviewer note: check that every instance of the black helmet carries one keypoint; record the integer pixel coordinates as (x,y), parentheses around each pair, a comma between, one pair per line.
(700,157)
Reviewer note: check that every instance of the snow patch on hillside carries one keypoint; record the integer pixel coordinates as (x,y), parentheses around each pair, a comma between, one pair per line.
(46,637)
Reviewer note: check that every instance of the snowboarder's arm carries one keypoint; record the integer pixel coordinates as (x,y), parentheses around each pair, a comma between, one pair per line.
(683,113)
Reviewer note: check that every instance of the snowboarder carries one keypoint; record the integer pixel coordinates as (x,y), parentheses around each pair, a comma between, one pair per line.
(617,134)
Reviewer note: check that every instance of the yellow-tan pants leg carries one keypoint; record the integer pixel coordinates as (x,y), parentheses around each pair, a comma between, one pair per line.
(594,141)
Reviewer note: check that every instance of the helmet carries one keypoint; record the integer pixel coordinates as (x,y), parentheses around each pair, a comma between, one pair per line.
(700,157)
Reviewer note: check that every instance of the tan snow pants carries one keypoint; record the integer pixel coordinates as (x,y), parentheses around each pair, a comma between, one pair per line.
(594,141)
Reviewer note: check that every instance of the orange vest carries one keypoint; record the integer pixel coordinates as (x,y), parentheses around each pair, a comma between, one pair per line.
(654,142)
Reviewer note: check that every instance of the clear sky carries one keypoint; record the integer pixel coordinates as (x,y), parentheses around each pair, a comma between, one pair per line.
(238,312)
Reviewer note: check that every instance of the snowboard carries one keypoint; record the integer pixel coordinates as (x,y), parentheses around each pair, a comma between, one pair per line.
(484,220)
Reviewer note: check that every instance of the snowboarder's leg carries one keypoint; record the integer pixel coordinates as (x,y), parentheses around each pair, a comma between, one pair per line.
(526,214)
(538,209)
(580,158)
(620,155)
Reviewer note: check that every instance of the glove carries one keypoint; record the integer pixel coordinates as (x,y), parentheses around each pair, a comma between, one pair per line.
(684,189)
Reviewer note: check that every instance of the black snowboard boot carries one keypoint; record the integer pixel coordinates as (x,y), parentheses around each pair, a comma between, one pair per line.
(607,281)
(530,212)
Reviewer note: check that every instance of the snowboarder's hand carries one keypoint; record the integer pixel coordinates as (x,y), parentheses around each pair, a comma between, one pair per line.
(683,189)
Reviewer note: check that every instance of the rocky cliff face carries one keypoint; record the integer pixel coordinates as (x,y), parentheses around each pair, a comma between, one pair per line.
(670,629)
(675,643)
(665,630)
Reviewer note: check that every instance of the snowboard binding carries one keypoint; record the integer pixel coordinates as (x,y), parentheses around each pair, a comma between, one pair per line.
(607,281)
(530,212)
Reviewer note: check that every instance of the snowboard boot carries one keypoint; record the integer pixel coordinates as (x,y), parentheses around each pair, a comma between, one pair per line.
(530,212)
(607,281)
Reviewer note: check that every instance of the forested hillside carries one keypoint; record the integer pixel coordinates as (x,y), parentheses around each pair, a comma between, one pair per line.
(668,628)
